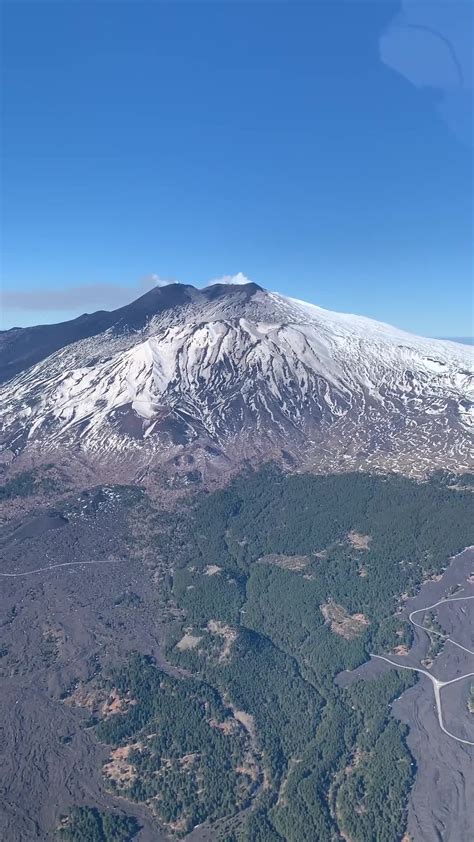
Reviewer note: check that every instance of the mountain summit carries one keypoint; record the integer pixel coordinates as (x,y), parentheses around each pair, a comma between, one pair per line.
(188,378)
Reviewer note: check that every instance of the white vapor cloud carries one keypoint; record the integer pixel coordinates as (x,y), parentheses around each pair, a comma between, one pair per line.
(154,280)
(239,279)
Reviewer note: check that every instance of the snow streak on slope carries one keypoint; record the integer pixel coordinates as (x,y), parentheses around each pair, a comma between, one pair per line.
(256,368)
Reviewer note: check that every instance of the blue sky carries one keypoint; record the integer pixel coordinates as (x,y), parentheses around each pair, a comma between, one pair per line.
(321,149)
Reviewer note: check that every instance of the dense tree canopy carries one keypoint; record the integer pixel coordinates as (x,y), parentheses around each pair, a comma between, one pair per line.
(281,582)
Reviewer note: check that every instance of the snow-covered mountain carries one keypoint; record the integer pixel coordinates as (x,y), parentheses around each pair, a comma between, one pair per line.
(188,377)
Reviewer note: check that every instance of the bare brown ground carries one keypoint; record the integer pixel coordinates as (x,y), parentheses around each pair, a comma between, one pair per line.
(118,768)
(286,562)
(228,635)
(188,641)
(341,622)
(359,541)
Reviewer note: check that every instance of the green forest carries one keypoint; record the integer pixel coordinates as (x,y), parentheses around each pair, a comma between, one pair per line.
(86,824)
(286,656)
(190,759)
(282,583)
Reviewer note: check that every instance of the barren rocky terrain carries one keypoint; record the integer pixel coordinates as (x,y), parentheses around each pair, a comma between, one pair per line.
(60,626)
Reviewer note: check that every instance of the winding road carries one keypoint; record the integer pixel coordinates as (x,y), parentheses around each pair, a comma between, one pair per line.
(437,684)
(440,634)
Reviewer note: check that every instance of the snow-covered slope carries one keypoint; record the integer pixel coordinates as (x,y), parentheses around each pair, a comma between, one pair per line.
(243,372)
